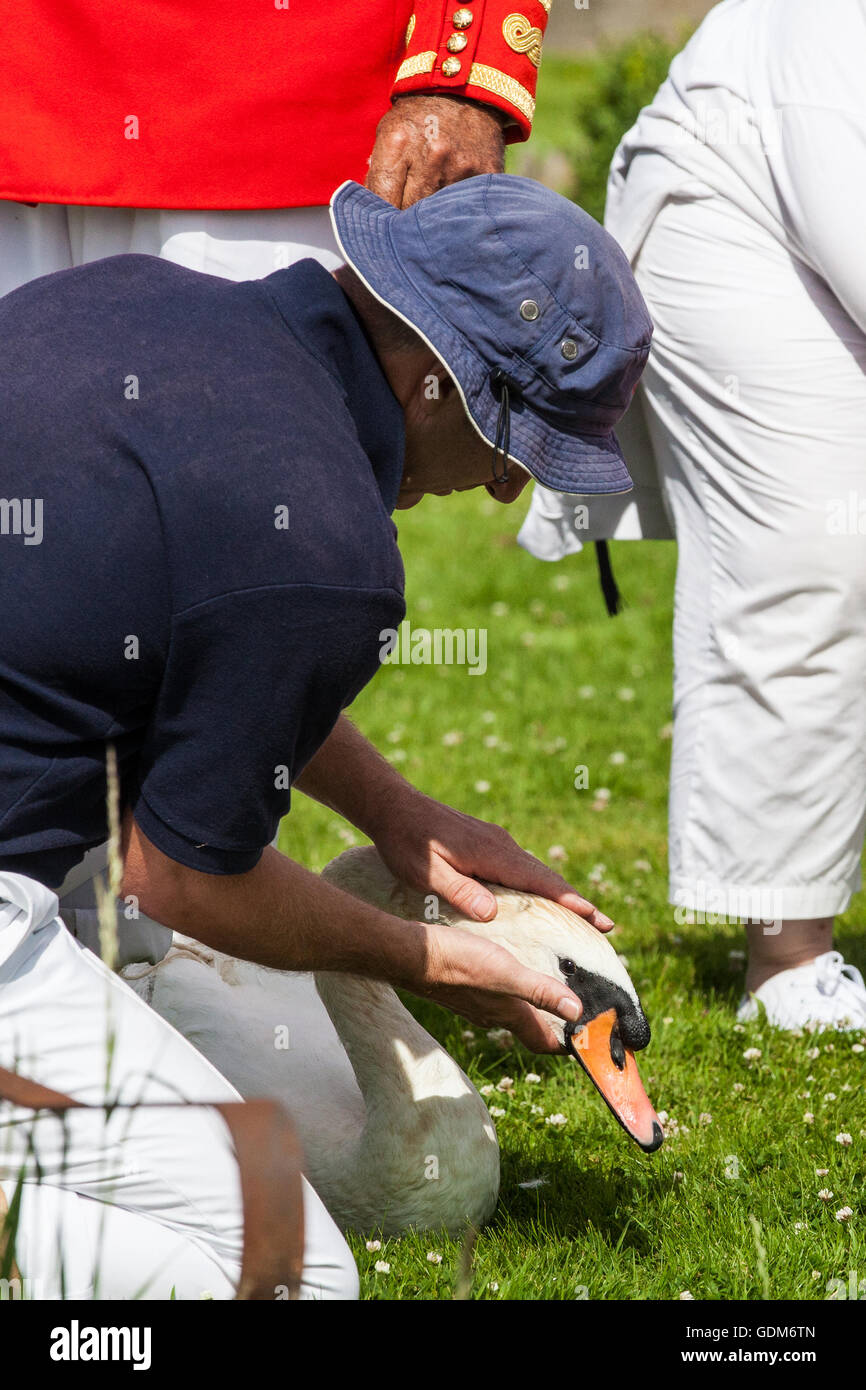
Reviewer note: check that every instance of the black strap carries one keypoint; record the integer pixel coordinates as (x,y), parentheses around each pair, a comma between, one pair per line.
(612,596)
(501,388)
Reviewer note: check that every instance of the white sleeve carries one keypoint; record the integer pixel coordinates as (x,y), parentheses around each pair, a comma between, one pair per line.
(821,177)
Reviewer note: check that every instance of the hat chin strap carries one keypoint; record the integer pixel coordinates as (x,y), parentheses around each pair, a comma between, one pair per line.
(499,383)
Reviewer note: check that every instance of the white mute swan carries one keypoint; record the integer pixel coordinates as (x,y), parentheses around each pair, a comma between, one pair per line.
(394,1133)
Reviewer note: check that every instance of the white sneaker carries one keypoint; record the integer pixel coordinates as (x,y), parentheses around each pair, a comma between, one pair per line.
(823,993)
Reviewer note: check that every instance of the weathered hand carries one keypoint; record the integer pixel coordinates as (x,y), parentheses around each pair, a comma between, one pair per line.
(488,985)
(425,142)
(439,850)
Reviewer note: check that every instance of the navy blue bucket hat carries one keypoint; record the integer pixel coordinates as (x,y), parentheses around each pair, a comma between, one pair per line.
(525,299)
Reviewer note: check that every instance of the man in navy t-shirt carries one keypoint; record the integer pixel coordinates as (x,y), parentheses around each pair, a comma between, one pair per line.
(199,564)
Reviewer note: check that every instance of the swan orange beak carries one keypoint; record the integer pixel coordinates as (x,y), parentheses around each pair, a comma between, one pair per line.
(612,1069)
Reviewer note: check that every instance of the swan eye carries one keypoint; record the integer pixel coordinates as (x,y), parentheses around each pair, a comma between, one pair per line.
(568,967)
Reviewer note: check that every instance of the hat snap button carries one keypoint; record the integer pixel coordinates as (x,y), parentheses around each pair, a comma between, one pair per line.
(529,310)
(568,348)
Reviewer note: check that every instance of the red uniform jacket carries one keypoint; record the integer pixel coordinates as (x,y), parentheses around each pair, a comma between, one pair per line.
(236,103)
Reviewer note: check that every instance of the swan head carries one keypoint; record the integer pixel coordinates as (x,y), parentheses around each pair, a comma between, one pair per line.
(613,1025)
(554,941)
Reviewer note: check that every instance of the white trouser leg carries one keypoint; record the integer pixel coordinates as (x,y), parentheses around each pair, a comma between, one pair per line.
(756,400)
(69,1023)
(239,245)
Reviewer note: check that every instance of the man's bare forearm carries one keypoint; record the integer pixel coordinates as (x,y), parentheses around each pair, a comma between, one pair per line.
(351,777)
(279,915)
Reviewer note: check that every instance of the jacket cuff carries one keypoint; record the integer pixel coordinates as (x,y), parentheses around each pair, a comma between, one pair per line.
(484,50)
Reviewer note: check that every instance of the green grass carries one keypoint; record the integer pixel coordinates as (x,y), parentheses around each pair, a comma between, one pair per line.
(609,1220)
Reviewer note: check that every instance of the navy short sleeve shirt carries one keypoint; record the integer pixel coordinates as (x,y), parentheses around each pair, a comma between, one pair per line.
(196,551)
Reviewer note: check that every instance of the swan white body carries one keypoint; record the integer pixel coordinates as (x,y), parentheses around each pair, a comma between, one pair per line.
(394,1133)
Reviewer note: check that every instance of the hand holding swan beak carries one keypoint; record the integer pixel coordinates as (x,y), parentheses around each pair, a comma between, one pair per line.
(445,852)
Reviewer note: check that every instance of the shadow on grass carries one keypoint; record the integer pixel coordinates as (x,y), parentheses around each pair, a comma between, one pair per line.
(577,1198)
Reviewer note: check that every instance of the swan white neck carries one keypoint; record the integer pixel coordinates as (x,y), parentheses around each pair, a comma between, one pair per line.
(447,1158)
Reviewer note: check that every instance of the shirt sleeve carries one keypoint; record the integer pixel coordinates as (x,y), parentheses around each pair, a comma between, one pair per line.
(822,182)
(253,684)
(485,50)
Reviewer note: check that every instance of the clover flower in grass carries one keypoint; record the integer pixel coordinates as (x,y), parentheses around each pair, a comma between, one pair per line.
(557,745)
(497,1112)
(505,1083)
(537,1110)
(500,610)
(822,1172)
(642,866)
(493,1286)
(844,1138)
(452,738)
(468,1035)
(738,1028)
(686,1297)
(482,786)
(433,1257)
(705,1118)
(829,1095)
(396,755)
(825,1194)
(625,693)
(666,731)
(808,1118)
(502,1036)
(586,692)
(857,1047)
(374,1245)
(557,1120)
(382,1267)
(738,1087)
(618,758)
(487,1090)
(844,1214)
(488,716)
(799,1225)
(491,740)
(557,853)
(752,1054)
(532,1077)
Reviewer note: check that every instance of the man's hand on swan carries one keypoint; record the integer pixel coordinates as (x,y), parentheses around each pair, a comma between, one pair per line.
(429,846)
(438,850)
(488,985)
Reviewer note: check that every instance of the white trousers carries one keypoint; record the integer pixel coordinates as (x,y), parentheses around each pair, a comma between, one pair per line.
(755,397)
(141,1201)
(238,245)
(144,1201)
